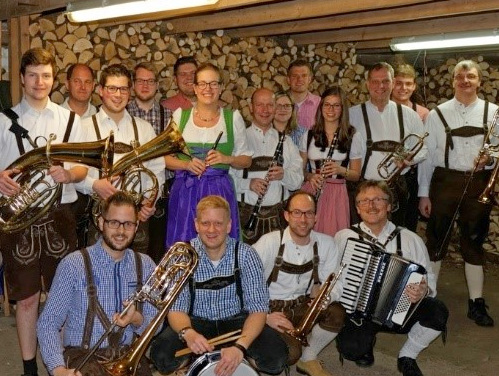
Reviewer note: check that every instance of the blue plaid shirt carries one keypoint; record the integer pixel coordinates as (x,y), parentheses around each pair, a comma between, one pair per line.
(224,303)
(67,302)
(152,116)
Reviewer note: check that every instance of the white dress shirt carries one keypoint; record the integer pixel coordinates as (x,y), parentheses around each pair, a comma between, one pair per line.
(91,109)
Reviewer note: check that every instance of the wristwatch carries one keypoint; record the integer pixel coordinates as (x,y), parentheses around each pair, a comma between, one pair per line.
(182,332)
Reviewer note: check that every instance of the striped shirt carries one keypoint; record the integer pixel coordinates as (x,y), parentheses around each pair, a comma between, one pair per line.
(67,302)
(224,303)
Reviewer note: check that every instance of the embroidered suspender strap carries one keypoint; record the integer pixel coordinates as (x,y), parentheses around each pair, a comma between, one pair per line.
(449,144)
(19,131)
(485,115)
(96,127)
(364,235)
(161,118)
(192,292)
(401,121)
(91,294)
(277,263)
(414,106)
(140,277)
(399,244)
(315,271)
(369,141)
(135,130)
(237,276)
(69,126)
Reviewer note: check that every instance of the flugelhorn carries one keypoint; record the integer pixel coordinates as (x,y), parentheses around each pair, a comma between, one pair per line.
(131,171)
(389,169)
(161,289)
(39,192)
(319,304)
(490,149)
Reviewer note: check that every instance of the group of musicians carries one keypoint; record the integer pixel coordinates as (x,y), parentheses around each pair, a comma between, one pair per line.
(273,292)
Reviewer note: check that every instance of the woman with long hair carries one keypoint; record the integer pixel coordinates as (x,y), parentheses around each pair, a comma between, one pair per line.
(327,178)
(285,119)
(206,173)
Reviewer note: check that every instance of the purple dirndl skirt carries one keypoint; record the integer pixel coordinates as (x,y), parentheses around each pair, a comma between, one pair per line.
(185,194)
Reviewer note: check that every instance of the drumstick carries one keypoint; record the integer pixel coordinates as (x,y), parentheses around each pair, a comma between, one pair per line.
(214,341)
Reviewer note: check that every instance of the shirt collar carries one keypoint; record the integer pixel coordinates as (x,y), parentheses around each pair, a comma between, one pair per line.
(49,107)
(387,230)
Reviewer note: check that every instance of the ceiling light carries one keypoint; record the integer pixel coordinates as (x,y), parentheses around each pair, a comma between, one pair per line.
(446,40)
(91,10)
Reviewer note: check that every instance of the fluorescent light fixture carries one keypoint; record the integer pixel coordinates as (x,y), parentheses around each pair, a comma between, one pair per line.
(91,10)
(446,40)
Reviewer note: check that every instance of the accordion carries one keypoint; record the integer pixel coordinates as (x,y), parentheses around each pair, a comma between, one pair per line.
(374,283)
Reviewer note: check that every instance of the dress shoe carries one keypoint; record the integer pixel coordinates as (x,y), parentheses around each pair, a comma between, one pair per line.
(367,360)
(477,311)
(311,368)
(408,367)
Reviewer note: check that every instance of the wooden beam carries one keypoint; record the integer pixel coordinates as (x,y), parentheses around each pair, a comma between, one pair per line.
(435,26)
(282,11)
(376,17)
(19,43)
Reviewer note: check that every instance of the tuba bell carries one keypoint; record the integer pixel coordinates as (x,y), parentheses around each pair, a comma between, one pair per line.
(131,171)
(161,289)
(39,192)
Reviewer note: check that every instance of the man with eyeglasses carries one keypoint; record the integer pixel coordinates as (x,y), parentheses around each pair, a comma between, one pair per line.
(90,289)
(144,106)
(356,341)
(114,89)
(184,71)
(296,261)
(272,182)
(80,83)
(383,124)
(226,293)
(457,130)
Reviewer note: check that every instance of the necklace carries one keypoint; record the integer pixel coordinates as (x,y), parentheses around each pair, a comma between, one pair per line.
(196,112)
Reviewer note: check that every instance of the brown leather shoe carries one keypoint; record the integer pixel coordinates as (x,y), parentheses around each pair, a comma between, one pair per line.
(311,368)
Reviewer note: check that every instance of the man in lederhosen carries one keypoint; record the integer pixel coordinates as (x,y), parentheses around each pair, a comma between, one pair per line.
(34,252)
(114,89)
(457,130)
(260,179)
(384,124)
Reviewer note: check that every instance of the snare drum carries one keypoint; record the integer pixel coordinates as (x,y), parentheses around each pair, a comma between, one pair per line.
(205,366)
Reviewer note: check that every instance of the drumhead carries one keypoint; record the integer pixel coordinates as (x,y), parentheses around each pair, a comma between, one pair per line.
(205,366)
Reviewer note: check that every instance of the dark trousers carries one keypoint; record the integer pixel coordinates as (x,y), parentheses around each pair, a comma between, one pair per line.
(445,192)
(268,350)
(412,212)
(357,337)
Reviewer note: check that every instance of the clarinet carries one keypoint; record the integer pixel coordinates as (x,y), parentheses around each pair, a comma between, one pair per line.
(329,157)
(251,224)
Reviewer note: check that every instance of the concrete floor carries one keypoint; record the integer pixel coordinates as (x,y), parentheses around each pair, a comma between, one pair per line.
(470,350)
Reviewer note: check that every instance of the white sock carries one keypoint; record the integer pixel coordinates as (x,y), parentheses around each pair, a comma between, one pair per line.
(435,266)
(418,339)
(318,339)
(474,279)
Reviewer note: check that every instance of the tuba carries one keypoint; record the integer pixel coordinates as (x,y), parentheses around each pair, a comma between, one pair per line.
(161,289)
(319,304)
(131,171)
(38,193)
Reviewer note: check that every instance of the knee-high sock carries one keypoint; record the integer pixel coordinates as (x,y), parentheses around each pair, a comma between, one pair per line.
(474,279)
(418,339)
(318,339)
(435,266)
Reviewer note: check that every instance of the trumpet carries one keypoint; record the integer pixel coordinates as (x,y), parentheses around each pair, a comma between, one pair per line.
(319,304)
(388,168)
(161,289)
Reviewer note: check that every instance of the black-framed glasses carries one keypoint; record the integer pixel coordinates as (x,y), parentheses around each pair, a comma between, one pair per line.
(113,89)
(296,213)
(334,106)
(212,84)
(140,81)
(115,224)
(376,201)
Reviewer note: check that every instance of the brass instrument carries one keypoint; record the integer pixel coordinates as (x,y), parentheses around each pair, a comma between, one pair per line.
(37,193)
(161,289)
(388,169)
(131,170)
(319,304)
(488,195)
(329,157)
